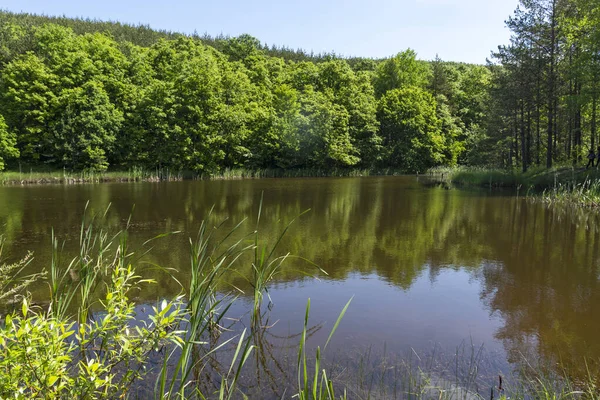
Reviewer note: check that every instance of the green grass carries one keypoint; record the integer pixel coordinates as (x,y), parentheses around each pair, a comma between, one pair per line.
(48,176)
(534,178)
(241,173)
(560,185)
(67,177)
(586,194)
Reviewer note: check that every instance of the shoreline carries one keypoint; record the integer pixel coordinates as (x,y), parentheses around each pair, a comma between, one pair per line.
(570,186)
(561,185)
(16,178)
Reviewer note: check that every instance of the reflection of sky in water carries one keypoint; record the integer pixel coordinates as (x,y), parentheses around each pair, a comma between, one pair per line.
(444,312)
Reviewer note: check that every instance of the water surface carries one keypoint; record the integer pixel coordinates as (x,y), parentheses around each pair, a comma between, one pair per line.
(428,267)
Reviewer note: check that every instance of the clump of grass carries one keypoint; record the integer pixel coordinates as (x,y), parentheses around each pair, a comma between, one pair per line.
(205,311)
(535,178)
(565,186)
(483,177)
(135,174)
(102,349)
(586,194)
(139,174)
(242,173)
(318,386)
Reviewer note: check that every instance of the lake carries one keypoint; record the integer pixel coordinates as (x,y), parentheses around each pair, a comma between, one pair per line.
(432,271)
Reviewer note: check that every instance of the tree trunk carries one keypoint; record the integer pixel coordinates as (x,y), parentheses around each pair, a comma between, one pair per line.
(529,159)
(593,125)
(551,84)
(538,113)
(523,148)
(570,119)
(516,135)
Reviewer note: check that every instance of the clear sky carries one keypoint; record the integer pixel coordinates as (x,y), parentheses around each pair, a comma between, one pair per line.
(457,30)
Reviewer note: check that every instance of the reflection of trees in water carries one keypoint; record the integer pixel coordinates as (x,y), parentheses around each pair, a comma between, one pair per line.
(11,215)
(546,288)
(541,277)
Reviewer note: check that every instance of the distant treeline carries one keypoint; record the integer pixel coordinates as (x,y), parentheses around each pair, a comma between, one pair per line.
(83,94)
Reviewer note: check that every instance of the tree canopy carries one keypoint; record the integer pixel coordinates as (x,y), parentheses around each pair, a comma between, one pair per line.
(83,94)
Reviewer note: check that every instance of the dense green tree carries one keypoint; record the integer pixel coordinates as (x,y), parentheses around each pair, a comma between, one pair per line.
(26,95)
(302,75)
(359,100)
(8,143)
(157,138)
(84,128)
(355,94)
(281,145)
(323,135)
(443,77)
(11,40)
(410,129)
(241,48)
(198,105)
(401,71)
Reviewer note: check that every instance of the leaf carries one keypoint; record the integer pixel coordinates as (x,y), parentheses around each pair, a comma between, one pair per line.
(52,380)
(335,326)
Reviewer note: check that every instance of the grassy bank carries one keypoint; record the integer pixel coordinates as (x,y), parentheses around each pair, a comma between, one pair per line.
(560,185)
(32,176)
(240,173)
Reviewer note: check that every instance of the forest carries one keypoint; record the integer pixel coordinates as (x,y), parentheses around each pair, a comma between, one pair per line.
(90,95)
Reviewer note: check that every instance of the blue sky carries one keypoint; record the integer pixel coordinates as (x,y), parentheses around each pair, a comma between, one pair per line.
(457,30)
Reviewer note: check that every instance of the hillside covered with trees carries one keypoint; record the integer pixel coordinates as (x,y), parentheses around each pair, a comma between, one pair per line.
(90,95)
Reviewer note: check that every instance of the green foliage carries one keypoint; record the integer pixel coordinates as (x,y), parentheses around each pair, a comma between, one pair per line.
(543,106)
(40,359)
(208,104)
(34,356)
(84,129)
(401,71)
(83,95)
(8,142)
(323,134)
(410,129)
(44,354)
(27,97)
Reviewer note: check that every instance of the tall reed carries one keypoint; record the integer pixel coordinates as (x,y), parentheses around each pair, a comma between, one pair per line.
(319,386)
(210,259)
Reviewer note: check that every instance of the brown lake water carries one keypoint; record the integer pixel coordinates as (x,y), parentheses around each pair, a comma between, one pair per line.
(429,268)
